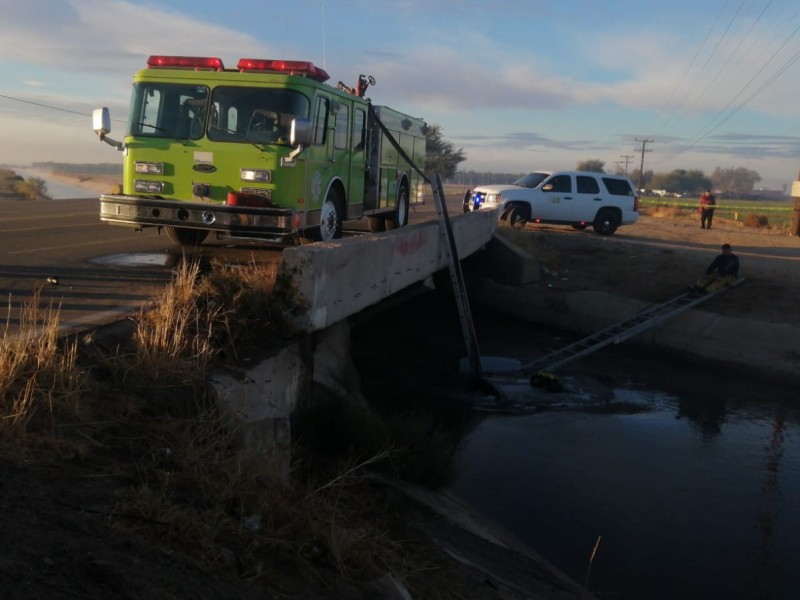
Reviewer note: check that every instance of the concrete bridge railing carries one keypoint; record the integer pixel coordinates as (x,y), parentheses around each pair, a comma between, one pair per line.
(341,278)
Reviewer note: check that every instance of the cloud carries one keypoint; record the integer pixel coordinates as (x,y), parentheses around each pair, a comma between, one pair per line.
(107,36)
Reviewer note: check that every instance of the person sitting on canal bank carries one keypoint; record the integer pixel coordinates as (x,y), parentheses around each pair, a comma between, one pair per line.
(706,209)
(723,270)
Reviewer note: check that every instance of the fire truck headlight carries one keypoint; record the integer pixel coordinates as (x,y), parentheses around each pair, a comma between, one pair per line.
(149,168)
(148,187)
(261,175)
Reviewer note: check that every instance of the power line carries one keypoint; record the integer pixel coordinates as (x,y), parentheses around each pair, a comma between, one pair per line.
(731,55)
(713,125)
(66,110)
(51,107)
(691,62)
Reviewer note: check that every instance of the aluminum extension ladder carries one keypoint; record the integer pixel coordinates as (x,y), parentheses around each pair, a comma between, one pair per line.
(620,331)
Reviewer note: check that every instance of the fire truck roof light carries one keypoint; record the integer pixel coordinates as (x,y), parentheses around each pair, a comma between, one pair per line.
(289,67)
(186,62)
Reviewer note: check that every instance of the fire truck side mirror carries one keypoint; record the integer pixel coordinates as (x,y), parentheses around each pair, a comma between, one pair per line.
(101,121)
(301,133)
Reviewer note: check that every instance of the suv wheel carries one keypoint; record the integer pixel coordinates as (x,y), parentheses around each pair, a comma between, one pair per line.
(513,217)
(606,221)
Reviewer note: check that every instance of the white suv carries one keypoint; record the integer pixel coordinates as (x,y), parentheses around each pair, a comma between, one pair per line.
(576,198)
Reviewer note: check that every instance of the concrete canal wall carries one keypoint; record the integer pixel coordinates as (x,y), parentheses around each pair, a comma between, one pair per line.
(771,349)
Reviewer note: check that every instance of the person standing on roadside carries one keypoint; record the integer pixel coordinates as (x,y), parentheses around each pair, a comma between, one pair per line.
(706,209)
(723,270)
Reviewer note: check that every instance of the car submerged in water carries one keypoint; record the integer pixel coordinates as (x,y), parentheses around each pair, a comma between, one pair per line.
(576,198)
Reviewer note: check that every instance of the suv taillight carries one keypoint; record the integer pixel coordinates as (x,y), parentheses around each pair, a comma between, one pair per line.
(636,204)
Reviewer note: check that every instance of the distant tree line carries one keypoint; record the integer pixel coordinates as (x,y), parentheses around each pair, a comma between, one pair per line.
(732,182)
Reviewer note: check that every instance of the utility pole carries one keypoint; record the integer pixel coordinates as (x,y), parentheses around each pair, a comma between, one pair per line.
(641,166)
(627,158)
(796,213)
(617,167)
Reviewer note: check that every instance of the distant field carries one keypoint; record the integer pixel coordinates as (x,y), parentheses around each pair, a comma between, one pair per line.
(778,214)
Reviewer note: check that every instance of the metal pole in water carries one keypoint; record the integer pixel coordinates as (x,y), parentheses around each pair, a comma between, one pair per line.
(457,279)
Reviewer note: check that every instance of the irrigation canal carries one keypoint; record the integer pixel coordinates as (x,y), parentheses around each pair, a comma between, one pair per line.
(690,478)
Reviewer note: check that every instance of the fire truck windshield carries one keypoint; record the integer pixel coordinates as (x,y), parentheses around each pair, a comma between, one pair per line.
(255,115)
(168,110)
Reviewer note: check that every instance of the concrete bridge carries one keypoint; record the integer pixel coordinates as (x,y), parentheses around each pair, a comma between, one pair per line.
(336,280)
(341,278)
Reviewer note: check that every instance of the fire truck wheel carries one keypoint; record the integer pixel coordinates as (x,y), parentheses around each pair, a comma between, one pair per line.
(186,237)
(376,224)
(400,216)
(330,220)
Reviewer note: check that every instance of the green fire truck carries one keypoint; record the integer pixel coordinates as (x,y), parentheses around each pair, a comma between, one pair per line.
(265,151)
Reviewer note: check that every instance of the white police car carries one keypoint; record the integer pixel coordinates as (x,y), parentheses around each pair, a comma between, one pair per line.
(576,198)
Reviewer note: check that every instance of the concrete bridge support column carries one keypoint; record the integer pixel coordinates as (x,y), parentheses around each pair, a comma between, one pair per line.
(262,398)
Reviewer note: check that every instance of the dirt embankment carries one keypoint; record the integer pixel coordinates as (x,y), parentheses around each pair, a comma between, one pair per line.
(102,184)
(658,257)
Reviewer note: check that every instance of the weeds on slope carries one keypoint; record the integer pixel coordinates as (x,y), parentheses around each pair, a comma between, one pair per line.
(181,477)
(40,382)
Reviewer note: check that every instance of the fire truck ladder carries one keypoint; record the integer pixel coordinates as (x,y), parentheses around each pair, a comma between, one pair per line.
(621,331)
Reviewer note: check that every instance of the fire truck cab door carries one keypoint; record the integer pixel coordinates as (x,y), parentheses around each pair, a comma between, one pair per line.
(357,145)
(320,159)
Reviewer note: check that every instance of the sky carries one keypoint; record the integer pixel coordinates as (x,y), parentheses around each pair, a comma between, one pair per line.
(519,85)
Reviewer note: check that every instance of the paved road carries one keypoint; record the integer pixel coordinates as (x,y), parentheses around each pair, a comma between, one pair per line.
(95,272)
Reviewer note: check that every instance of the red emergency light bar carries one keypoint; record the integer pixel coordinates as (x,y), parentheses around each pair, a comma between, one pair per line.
(288,67)
(186,62)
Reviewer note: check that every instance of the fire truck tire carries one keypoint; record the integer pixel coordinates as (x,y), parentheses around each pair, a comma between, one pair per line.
(186,237)
(399,217)
(330,220)
(376,224)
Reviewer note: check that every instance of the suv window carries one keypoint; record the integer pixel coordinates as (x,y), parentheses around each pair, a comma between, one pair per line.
(618,187)
(531,180)
(559,183)
(587,185)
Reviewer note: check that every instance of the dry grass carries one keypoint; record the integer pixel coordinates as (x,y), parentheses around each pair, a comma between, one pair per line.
(667,211)
(174,338)
(196,488)
(39,377)
(756,221)
(199,490)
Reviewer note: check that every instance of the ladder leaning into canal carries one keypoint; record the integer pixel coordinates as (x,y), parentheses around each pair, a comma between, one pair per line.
(621,331)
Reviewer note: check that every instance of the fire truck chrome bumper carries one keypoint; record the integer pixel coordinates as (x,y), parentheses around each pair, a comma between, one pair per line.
(233,220)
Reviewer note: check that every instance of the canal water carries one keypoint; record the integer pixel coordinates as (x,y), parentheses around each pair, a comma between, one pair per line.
(685,475)
(56,189)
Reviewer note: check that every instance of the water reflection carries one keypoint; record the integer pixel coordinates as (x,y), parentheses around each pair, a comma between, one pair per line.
(693,499)
(707,415)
